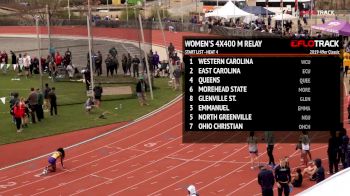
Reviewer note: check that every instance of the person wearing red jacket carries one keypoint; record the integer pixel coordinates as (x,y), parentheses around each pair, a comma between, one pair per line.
(18,113)
(58,59)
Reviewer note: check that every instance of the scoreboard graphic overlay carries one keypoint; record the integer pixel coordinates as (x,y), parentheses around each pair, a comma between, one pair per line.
(268,84)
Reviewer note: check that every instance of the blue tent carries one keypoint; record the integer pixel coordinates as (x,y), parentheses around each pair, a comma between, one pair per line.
(257,10)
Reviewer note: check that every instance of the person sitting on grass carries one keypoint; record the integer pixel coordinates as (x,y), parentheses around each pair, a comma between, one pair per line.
(89,104)
(297,178)
(59,153)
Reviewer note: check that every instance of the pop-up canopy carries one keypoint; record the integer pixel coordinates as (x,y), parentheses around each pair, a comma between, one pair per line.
(257,10)
(283,17)
(335,26)
(229,10)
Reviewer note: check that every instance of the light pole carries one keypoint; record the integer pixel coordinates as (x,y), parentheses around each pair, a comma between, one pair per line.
(127,13)
(146,59)
(90,45)
(108,5)
(39,51)
(48,28)
(68,6)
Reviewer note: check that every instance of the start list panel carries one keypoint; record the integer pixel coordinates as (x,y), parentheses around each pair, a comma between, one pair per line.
(269,84)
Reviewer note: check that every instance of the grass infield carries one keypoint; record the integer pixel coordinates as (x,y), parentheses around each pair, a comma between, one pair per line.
(71,97)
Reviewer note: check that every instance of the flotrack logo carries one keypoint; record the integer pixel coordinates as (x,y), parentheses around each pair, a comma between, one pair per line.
(314,43)
(325,12)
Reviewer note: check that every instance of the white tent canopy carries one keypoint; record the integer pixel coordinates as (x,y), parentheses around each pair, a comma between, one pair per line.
(250,18)
(337,184)
(229,10)
(283,17)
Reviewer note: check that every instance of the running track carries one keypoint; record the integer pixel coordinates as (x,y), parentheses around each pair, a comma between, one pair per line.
(148,158)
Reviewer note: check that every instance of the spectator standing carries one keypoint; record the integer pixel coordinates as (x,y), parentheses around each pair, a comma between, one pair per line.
(283,178)
(33,102)
(26,64)
(20,63)
(98,94)
(270,141)
(13,58)
(135,66)
(13,100)
(39,108)
(341,142)
(115,64)
(345,148)
(332,153)
(177,75)
(25,109)
(129,62)
(171,50)
(113,52)
(18,113)
(98,63)
(109,65)
(46,97)
(124,64)
(253,149)
(141,89)
(305,145)
(266,180)
(155,61)
(53,101)
(87,76)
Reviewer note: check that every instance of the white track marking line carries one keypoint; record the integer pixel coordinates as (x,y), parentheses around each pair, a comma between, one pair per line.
(111,166)
(164,107)
(165,120)
(201,154)
(152,162)
(99,158)
(231,193)
(199,171)
(239,168)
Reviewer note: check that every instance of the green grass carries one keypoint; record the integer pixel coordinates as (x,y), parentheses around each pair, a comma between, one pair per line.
(71,114)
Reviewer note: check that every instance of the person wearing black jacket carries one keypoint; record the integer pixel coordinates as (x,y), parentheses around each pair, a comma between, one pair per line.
(141,89)
(53,101)
(266,181)
(332,151)
(283,178)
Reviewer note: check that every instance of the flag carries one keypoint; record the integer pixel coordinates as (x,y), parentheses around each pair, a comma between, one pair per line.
(3,100)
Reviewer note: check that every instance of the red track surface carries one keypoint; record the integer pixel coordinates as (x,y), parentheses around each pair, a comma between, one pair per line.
(148,158)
